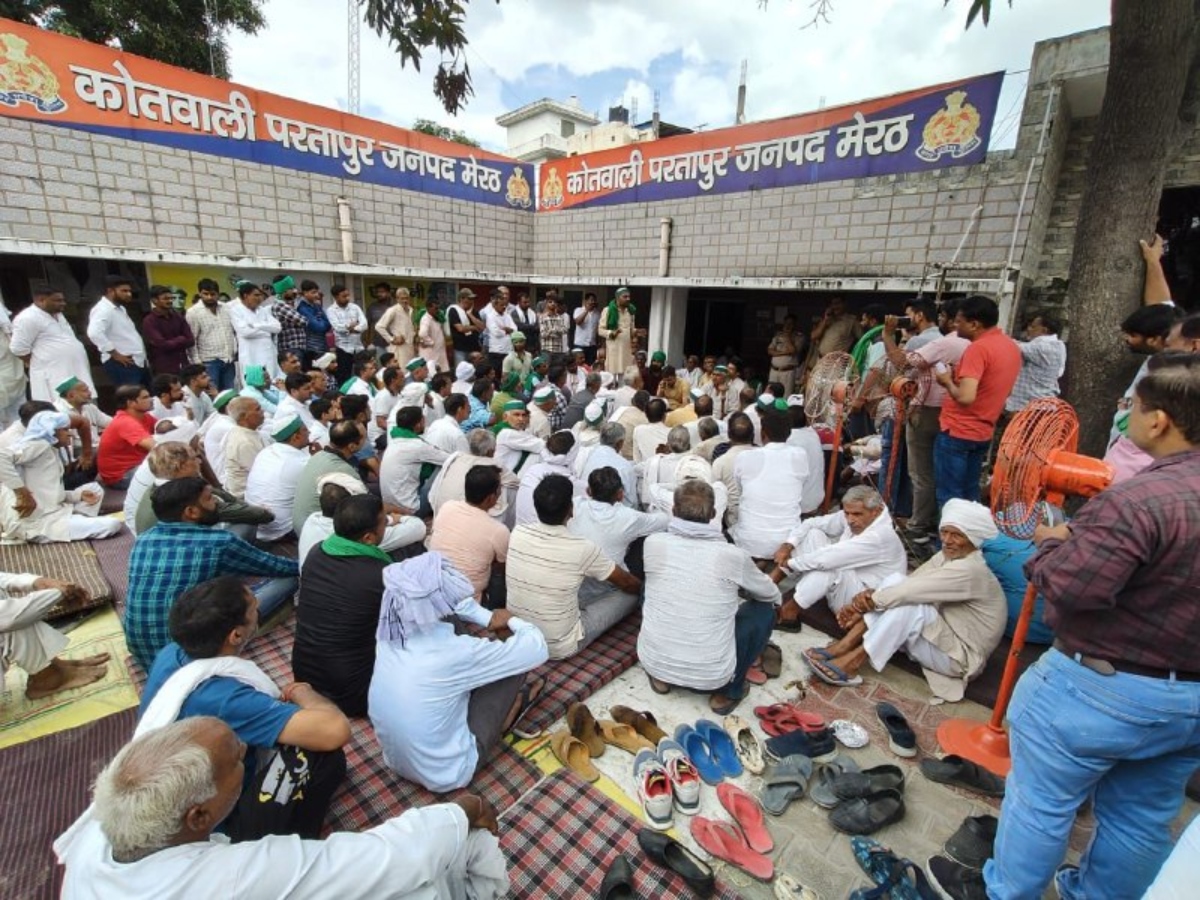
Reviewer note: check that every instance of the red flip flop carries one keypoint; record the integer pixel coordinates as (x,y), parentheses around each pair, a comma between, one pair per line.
(755,675)
(783,718)
(725,842)
(748,815)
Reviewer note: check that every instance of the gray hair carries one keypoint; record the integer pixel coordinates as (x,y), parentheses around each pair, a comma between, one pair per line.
(631,376)
(239,406)
(695,501)
(678,440)
(612,434)
(481,442)
(861,493)
(592,381)
(142,796)
(707,428)
(167,460)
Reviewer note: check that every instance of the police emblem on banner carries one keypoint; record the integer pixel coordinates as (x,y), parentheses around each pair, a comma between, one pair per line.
(951,131)
(551,195)
(518,190)
(26,79)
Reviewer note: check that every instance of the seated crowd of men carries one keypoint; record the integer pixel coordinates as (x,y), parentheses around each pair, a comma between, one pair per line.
(459,528)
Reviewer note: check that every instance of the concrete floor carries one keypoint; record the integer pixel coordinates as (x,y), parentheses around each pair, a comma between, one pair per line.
(806,845)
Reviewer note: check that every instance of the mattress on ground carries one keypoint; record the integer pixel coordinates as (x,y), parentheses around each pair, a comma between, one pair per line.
(74,562)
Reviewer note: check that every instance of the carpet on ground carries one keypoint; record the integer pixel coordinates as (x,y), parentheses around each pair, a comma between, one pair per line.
(112,555)
(23,720)
(47,785)
(74,562)
(580,676)
(561,837)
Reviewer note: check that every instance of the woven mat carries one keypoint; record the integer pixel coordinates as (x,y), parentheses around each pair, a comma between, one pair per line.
(113,557)
(74,562)
(580,676)
(49,781)
(562,836)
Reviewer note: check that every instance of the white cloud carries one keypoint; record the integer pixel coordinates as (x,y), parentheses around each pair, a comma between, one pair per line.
(871,48)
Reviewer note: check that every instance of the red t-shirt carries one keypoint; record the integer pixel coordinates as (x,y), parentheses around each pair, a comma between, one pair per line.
(994,359)
(119,451)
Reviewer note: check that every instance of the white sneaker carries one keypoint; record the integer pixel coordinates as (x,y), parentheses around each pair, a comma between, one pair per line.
(685,780)
(654,790)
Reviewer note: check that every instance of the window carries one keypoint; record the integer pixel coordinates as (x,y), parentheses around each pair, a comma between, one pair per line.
(567,128)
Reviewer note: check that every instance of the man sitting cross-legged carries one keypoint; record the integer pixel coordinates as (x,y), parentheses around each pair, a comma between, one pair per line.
(402,531)
(149,833)
(839,555)
(546,566)
(696,632)
(948,616)
(294,737)
(440,700)
(29,643)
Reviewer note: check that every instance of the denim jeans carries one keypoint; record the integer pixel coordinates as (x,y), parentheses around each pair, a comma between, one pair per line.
(751,630)
(957,466)
(121,375)
(1128,742)
(272,592)
(221,374)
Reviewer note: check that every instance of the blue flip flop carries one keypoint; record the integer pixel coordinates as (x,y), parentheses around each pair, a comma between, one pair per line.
(698,752)
(839,678)
(720,744)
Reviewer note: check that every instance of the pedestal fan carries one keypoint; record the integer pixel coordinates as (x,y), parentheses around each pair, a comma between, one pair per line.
(1036,469)
(894,388)
(831,382)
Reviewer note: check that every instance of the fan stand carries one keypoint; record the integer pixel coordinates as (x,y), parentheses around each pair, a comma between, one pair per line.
(986,743)
(835,449)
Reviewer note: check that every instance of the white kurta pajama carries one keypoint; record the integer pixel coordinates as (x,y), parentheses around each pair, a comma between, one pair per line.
(769,484)
(255,330)
(836,564)
(12,372)
(55,353)
(618,342)
(25,640)
(271,484)
(61,515)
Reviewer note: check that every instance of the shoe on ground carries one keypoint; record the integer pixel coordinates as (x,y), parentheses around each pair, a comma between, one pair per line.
(819,746)
(901,739)
(618,880)
(583,727)
(685,780)
(866,815)
(670,854)
(963,773)
(654,790)
(972,844)
(956,881)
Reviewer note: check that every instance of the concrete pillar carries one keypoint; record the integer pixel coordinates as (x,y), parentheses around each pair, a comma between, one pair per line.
(668,315)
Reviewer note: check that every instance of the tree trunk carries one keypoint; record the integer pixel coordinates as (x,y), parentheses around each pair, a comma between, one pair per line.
(1142,123)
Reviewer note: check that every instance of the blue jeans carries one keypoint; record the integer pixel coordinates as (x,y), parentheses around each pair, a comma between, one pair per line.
(121,375)
(751,630)
(957,465)
(221,374)
(272,592)
(1128,742)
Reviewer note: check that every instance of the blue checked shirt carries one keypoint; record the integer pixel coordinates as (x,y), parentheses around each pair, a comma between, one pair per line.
(294,333)
(172,557)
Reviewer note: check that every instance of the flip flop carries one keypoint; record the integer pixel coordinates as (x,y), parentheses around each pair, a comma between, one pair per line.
(784,782)
(749,749)
(831,674)
(721,746)
(756,676)
(531,693)
(772,660)
(573,753)
(582,725)
(698,752)
(788,888)
(748,815)
(783,718)
(623,736)
(725,842)
(643,723)
(821,787)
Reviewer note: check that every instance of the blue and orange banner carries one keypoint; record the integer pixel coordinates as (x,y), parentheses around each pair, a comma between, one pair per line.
(929,128)
(51,78)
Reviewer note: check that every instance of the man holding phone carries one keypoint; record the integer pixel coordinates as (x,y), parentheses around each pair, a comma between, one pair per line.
(587,320)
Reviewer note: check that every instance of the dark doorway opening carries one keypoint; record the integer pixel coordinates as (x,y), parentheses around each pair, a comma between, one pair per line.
(1179,224)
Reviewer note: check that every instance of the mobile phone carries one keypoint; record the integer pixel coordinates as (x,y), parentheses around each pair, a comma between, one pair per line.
(904,321)
(940,368)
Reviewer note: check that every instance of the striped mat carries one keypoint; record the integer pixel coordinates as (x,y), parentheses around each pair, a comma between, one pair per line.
(74,562)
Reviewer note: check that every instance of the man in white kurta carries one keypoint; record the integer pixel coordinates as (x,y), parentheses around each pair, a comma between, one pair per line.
(242,444)
(948,616)
(617,327)
(272,481)
(30,644)
(444,850)
(255,328)
(516,447)
(34,506)
(768,494)
(12,372)
(43,337)
(409,463)
(214,431)
(607,521)
(837,556)
(396,328)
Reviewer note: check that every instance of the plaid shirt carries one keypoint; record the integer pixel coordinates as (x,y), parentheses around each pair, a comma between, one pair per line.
(1043,360)
(172,557)
(295,327)
(213,332)
(1126,586)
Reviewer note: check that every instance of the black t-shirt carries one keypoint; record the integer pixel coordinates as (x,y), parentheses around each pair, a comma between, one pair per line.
(336,619)
(464,342)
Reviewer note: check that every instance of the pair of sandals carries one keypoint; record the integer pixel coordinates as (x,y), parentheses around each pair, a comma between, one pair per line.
(894,877)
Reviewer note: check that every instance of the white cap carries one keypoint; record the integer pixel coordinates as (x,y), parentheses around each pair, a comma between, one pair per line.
(323,361)
(464,371)
(545,392)
(342,479)
(696,393)
(594,413)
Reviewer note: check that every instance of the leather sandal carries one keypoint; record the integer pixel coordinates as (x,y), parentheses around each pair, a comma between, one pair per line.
(573,753)
(643,723)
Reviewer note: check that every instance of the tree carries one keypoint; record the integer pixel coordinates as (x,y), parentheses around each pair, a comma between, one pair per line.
(186,33)
(433,129)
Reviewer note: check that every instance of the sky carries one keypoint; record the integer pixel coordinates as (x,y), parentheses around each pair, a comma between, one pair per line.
(689,51)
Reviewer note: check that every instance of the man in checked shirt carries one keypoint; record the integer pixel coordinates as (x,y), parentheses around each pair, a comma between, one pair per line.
(1112,713)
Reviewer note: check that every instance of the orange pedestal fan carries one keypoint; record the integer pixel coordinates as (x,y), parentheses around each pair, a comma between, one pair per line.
(1036,467)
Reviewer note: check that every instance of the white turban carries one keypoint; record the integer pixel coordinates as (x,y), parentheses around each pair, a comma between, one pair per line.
(413,394)
(464,371)
(972,519)
(418,593)
(183,432)
(693,467)
(351,483)
(594,413)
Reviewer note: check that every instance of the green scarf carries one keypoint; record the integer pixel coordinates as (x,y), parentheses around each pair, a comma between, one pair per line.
(340,546)
(859,353)
(427,469)
(349,382)
(612,315)
(441,316)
